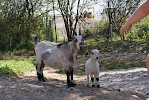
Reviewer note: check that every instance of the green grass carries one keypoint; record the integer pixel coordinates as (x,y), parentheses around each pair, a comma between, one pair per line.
(120,46)
(18,62)
(121,64)
(16,67)
(98,43)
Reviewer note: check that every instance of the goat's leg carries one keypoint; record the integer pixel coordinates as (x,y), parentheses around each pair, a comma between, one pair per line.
(97,80)
(72,74)
(72,77)
(68,78)
(92,80)
(87,83)
(69,83)
(39,68)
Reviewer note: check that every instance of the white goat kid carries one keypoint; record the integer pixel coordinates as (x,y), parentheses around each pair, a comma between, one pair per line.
(92,68)
(61,55)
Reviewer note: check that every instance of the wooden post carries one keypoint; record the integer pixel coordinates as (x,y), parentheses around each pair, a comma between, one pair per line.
(47,28)
(50,30)
(110,25)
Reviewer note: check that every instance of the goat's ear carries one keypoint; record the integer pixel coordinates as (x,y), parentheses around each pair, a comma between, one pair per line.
(74,32)
(75,40)
(88,52)
(99,50)
(79,31)
(91,50)
(86,36)
(99,53)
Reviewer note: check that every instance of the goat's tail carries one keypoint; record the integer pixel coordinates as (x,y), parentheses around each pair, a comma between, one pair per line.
(35,38)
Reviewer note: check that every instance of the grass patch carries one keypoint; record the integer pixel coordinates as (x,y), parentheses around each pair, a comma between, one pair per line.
(118,46)
(120,64)
(99,43)
(16,67)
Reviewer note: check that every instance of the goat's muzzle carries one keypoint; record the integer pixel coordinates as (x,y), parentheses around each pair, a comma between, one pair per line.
(81,50)
(97,58)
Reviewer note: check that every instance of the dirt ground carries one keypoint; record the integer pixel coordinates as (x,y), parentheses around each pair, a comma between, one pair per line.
(27,87)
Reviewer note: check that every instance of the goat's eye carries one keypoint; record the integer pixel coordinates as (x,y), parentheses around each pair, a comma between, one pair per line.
(92,53)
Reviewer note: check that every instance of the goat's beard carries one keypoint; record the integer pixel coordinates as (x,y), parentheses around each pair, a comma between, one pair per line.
(81,51)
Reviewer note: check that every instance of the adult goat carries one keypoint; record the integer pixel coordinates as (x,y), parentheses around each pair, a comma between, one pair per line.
(53,54)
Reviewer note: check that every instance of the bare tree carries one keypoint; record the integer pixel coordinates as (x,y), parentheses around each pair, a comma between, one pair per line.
(72,11)
(119,10)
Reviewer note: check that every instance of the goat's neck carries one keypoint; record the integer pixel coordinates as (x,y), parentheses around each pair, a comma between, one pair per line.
(93,60)
(73,48)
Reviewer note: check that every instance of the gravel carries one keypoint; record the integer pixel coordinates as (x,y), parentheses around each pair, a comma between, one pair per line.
(133,79)
(128,84)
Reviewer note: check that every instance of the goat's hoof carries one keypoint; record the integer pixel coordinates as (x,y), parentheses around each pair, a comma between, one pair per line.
(42,79)
(93,85)
(98,86)
(74,84)
(71,84)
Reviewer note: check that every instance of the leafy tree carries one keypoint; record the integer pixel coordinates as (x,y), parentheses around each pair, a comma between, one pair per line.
(19,19)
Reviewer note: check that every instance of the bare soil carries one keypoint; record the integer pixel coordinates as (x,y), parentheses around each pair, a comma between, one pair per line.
(27,87)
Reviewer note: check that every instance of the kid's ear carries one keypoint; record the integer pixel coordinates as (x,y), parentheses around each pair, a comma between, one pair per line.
(76,40)
(91,51)
(88,52)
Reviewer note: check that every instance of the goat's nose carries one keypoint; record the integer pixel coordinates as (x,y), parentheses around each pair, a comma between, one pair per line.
(96,57)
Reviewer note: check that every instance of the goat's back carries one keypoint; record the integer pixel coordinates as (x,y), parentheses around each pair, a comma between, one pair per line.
(43,46)
(53,56)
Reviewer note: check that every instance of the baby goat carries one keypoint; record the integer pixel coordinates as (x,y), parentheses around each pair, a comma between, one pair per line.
(92,68)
